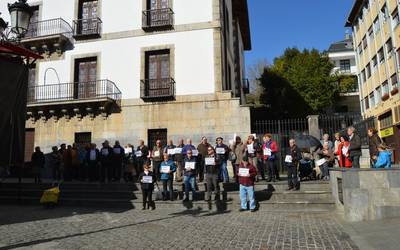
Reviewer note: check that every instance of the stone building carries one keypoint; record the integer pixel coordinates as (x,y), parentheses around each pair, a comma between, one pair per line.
(136,69)
(376,38)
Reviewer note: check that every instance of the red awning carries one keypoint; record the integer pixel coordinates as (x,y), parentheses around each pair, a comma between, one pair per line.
(6,47)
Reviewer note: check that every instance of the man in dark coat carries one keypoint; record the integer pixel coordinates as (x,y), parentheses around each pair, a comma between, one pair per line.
(38,162)
(355,147)
(106,158)
(292,159)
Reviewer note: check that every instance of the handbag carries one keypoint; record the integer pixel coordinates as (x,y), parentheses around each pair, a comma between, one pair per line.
(232,156)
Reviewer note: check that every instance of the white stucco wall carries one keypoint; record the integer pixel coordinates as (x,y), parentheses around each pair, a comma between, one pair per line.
(335,58)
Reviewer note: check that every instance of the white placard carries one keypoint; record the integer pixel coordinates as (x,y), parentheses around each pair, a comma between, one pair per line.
(128,150)
(138,153)
(156,153)
(171,151)
(117,151)
(178,150)
(345,150)
(104,151)
(250,148)
(165,169)
(147,179)
(220,151)
(195,152)
(288,159)
(320,162)
(190,165)
(209,161)
(244,172)
(92,155)
(267,152)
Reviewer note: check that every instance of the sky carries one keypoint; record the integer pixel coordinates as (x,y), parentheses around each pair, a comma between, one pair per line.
(278,24)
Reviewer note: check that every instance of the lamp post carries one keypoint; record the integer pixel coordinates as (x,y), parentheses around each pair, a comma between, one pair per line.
(20,13)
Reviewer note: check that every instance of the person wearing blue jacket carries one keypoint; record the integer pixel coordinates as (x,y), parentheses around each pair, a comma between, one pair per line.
(384,158)
(167,170)
(189,173)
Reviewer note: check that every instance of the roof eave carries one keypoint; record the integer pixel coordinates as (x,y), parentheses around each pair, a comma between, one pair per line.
(241,11)
(353,13)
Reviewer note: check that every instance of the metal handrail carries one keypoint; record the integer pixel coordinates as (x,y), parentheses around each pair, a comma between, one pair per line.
(96,30)
(74,91)
(157,88)
(162,17)
(49,27)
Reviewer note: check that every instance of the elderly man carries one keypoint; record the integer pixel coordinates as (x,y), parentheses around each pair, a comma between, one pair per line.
(355,147)
(141,155)
(157,157)
(326,161)
(178,157)
(202,148)
(292,158)
(325,139)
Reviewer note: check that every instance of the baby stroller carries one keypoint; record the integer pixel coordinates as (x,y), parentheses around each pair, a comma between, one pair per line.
(305,167)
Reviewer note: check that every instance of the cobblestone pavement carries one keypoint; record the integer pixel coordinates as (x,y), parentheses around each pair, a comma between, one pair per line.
(69,228)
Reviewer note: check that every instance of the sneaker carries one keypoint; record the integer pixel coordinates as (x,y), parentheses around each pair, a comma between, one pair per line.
(242,210)
(289,188)
(152,208)
(253,210)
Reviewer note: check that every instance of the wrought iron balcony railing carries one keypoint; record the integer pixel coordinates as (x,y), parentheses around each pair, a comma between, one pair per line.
(100,89)
(51,27)
(87,28)
(158,19)
(157,89)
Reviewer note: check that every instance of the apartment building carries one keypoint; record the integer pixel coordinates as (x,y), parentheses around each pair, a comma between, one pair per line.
(343,57)
(376,36)
(136,69)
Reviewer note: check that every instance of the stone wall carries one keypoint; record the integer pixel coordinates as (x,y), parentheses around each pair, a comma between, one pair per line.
(367,194)
(191,116)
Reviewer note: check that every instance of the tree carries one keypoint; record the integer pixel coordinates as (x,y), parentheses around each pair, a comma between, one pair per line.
(299,83)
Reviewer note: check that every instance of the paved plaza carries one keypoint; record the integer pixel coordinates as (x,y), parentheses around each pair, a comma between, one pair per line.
(69,228)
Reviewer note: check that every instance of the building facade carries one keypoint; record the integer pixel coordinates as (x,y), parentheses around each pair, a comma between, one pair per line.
(376,36)
(136,69)
(343,57)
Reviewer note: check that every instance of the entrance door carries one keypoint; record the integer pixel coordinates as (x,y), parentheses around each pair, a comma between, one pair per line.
(156,134)
(29,143)
(82,139)
(88,16)
(85,78)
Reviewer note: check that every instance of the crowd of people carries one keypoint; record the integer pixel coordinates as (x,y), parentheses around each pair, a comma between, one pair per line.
(186,163)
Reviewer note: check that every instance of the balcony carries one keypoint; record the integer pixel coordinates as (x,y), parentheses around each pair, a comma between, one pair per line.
(246,86)
(87,28)
(48,36)
(160,19)
(157,89)
(69,99)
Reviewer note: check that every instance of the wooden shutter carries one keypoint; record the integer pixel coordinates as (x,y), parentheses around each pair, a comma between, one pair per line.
(158,73)
(87,72)
(89,15)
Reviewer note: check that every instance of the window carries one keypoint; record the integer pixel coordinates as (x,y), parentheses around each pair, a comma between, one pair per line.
(376,24)
(364,42)
(32,75)
(368,70)
(374,63)
(359,49)
(385,88)
(384,13)
(33,30)
(378,95)
(395,18)
(371,33)
(344,65)
(372,99)
(393,80)
(389,46)
(366,101)
(363,78)
(85,77)
(381,55)
(82,139)
(87,17)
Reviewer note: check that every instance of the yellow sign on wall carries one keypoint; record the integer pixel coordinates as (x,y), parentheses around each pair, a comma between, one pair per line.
(387,132)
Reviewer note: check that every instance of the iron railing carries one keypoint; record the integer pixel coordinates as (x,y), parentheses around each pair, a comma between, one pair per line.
(246,85)
(159,18)
(157,89)
(56,26)
(87,27)
(73,91)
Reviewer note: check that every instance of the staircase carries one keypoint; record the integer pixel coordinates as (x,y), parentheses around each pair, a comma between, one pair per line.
(313,196)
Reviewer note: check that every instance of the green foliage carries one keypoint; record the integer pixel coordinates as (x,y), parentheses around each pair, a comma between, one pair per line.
(299,82)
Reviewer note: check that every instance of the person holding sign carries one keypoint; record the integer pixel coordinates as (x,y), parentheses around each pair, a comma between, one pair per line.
(157,157)
(212,165)
(92,159)
(270,149)
(106,158)
(343,152)
(170,149)
(118,155)
(147,179)
(179,157)
(292,158)
(222,151)
(202,148)
(141,155)
(238,148)
(167,170)
(246,174)
(190,175)
(327,159)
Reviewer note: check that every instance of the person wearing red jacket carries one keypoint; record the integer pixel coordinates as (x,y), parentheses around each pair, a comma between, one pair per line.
(247,174)
(343,152)
(270,149)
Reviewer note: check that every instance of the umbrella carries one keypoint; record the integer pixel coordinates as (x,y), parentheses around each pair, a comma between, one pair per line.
(307,141)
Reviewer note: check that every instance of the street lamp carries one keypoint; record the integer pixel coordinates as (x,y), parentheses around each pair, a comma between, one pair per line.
(20,13)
